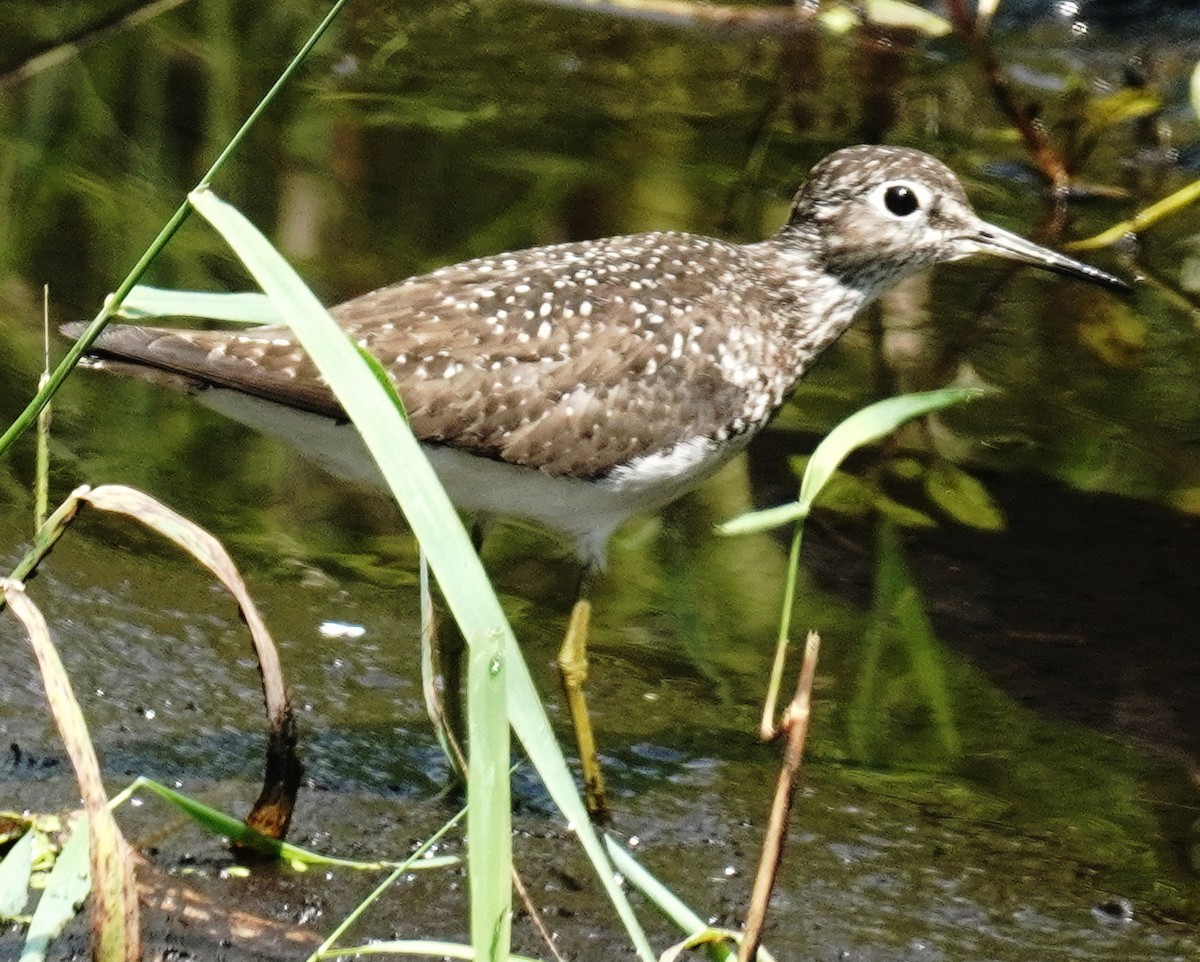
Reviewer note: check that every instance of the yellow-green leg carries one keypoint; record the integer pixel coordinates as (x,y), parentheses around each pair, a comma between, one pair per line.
(573,665)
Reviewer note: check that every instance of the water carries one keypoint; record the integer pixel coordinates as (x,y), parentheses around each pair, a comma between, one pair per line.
(988,783)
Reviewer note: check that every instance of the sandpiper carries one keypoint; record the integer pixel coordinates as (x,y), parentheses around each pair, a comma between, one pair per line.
(580,384)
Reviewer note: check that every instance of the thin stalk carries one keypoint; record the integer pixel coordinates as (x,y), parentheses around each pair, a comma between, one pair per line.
(1045,155)
(767,729)
(795,723)
(47,535)
(382,887)
(41,484)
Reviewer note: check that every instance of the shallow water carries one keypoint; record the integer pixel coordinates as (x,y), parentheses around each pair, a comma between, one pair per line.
(991,793)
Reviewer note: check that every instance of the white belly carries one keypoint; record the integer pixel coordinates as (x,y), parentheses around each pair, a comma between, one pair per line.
(587,512)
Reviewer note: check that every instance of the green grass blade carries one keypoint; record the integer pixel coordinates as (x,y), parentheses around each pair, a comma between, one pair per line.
(670,904)
(418,854)
(1173,203)
(962,496)
(666,901)
(146,303)
(489,804)
(235,830)
(431,516)
(861,428)
(754,521)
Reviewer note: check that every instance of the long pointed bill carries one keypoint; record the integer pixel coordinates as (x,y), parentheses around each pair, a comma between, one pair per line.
(995,240)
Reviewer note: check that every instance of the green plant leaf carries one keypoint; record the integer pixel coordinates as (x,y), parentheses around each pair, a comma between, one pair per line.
(868,426)
(962,497)
(15,871)
(905,468)
(1122,106)
(861,428)
(431,516)
(66,889)
(902,515)
(489,804)
(237,831)
(1173,203)
(145,303)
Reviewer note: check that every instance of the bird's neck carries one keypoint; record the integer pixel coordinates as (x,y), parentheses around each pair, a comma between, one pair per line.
(809,307)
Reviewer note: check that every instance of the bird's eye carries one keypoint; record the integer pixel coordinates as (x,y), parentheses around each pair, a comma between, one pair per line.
(900,200)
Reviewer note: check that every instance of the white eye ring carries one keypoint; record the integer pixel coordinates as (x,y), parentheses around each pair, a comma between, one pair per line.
(901,199)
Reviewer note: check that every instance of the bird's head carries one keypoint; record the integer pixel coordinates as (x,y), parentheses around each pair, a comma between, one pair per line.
(877,214)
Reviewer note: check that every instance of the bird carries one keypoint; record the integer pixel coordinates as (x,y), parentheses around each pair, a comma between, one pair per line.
(580,384)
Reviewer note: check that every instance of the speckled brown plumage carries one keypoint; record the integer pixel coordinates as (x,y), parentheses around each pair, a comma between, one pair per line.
(654,354)
(572,359)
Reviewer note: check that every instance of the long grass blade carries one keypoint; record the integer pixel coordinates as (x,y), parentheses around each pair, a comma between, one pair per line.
(430,515)
(145,303)
(219,823)
(489,806)
(325,949)
(1173,203)
(861,428)
(116,933)
(272,811)
(673,907)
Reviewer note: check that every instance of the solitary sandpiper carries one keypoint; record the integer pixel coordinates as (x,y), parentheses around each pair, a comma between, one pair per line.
(580,384)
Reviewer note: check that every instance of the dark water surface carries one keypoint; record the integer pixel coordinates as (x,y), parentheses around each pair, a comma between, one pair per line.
(989,776)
